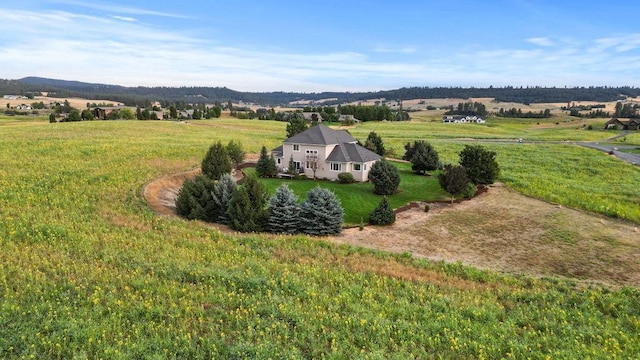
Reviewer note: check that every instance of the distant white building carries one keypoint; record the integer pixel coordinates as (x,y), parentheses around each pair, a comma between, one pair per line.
(463,119)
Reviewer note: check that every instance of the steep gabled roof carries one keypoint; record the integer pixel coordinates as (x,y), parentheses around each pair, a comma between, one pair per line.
(321,135)
(350,152)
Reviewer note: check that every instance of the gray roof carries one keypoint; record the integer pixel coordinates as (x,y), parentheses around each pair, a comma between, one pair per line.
(278,151)
(321,135)
(350,152)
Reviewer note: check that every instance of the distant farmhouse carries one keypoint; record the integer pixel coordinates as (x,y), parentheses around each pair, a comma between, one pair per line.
(321,152)
(102,113)
(617,124)
(463,119)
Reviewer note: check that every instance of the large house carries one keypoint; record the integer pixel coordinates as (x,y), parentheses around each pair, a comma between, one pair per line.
(615,123)
(323,153)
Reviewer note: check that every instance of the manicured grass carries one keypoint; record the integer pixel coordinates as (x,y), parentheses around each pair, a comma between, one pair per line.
(358,200)
(88,271)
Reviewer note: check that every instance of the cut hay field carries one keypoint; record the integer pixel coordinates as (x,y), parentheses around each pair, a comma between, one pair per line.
(87,270)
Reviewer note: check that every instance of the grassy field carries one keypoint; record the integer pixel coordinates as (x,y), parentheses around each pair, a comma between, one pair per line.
(88,271)
(358,200)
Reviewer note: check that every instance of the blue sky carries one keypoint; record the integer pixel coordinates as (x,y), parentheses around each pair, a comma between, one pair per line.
(314,46)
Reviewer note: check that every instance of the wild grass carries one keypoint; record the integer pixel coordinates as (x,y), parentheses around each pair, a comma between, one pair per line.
(88,271)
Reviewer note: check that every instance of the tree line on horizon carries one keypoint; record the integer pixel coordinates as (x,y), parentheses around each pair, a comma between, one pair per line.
(144,96)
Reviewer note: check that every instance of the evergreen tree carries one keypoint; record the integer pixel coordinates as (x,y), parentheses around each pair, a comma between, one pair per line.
(247,209)
(321,213)
(185,202)
(195,198)
(296,125)
(221,197)
(383,214)
(216,162)
(424,158)
(291,170)
(284,211)
(385,177)
(480,163)
(236,152)
(454,180)
(375,144)
(266,166)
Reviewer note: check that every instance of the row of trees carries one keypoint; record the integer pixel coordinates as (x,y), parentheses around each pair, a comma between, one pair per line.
(468,109)
(478,166)
(518,113)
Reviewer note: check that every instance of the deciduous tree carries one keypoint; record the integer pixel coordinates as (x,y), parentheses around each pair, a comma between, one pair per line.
(236,152)
(296,125)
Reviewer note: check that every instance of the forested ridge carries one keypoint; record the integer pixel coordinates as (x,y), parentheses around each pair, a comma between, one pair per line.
(142,96)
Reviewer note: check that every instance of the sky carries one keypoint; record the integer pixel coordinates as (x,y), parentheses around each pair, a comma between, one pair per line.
(323,45)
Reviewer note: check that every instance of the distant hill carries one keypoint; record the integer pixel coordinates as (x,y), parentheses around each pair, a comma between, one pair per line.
(145,95)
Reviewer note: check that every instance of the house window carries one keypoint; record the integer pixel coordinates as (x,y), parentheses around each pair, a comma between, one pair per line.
(296,147)
(336,166)
(312,159)
(364,167)
(356,167)
(279,161)
(297,165)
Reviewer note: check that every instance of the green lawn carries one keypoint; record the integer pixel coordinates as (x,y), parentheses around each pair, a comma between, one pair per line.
(358,200)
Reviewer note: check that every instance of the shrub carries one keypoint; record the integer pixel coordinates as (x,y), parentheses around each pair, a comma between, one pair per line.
(480,164)
(426,208)
(284,213)
(321,213)
(469,191)
(383,214)
(346,178)
(217,162)
(385,177)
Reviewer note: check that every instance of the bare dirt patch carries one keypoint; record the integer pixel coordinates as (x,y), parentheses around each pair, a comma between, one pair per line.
(499,229)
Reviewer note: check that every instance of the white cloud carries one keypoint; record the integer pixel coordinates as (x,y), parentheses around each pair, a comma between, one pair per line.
(117,49)
(541,41)
(105,7)
(124,18)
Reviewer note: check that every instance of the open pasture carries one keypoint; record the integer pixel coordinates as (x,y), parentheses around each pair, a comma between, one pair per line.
(88,271)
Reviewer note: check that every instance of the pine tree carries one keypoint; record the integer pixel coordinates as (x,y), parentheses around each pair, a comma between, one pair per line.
(385,177)
(383,214)
(375,144)
(194,198)
(266,166)
(247,209)
(424,157)
(221,197)
(284,212)
(321,213)
(480,163)
(454,180)
(216,162)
